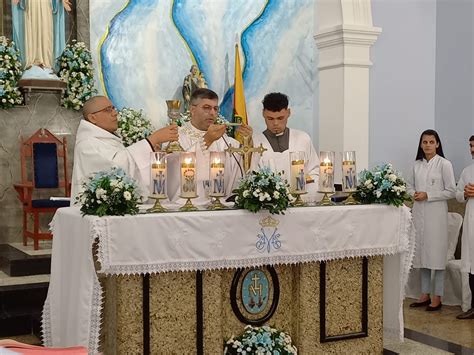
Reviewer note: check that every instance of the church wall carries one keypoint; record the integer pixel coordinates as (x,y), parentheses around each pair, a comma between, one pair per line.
(454,110)
(402,80)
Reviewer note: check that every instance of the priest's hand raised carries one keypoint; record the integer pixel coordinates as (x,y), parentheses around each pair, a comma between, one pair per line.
(163,135)
(214,132)
(245,130)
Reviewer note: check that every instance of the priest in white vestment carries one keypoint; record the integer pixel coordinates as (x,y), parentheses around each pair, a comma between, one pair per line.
(465,192)
(202,136)
(98,148)
(279,140)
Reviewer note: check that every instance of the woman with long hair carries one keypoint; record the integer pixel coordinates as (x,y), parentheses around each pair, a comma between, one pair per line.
(431,185)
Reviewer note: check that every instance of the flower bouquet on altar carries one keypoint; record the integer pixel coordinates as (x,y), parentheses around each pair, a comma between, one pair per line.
(263,189)
(133,126)
(109,193)
(381,185)
(260,340)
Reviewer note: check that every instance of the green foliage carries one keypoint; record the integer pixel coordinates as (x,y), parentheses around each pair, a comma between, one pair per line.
(133,126)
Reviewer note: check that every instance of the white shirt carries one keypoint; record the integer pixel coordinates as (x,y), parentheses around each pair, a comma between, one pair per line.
(467,250)
(436,178)
(97,149)
(299,141)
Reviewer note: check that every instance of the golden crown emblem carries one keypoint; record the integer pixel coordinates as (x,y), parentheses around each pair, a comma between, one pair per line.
(269,222)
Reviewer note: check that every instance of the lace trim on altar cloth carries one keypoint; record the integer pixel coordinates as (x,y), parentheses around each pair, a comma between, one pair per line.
(233,264)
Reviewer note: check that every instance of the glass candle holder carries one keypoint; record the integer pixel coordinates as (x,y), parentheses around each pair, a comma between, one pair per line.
(326,171)
(349,172)
(158,174)
(188,174)
(297,172)
(216,174)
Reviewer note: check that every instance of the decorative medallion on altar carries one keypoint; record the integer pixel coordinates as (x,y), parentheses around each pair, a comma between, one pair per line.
(255,294)
(268,238)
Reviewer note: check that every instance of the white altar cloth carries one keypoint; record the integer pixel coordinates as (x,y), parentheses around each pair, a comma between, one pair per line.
(185,241)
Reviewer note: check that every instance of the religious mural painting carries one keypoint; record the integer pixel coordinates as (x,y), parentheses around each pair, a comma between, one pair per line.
(144,49)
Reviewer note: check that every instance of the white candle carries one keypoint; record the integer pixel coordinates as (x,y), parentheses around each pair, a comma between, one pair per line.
(349,178)
(297,176)
(188,178)
(158,175)
(217,178)
(326,176)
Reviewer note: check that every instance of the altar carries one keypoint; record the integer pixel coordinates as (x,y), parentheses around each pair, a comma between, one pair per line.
(177,282)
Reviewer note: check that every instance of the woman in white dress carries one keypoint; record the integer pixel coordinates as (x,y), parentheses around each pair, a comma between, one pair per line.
(431,185)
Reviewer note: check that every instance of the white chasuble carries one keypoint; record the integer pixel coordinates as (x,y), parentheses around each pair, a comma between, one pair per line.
(467,250)
(299,141)
(191,139)
(97,149)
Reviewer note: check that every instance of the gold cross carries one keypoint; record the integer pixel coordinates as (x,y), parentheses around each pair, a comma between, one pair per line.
(246,151)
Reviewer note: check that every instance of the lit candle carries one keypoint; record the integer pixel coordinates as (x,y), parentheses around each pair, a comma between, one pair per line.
(297,172)
(188,176)
(158,174)
(326,172)
(216,177)
(349,175)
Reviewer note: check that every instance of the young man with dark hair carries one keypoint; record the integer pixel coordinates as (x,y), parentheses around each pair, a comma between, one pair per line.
(279,140)
(465,192)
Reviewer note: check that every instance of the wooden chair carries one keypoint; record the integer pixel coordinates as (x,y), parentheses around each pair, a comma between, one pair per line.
(42,156)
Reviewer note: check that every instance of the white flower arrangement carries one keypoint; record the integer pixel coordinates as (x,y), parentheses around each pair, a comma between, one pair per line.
(109,193)
(133,126)
(263,189)
(76,70)
(261,341)
(381,185)
(10,72)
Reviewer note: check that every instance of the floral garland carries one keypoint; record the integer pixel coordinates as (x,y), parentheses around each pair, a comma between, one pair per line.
(10,73)
(263,189)
(381,185)
(109,193)
(76,70)
(133,126)
(261,341)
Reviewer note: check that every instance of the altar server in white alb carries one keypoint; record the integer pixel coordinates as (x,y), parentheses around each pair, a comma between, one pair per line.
(98,148)
(465,192)
(202,136)
(279,140)
(431,184)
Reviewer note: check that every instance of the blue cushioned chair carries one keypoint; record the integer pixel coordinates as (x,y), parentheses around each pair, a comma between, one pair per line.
(43,167)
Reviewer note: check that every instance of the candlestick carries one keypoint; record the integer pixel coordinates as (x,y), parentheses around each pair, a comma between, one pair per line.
(349,176)
(158,180)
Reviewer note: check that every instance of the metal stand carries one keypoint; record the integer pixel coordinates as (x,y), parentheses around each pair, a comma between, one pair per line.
(216,203)
(350,200)
(188,206)
(299,201)
(157,207)
(326,201)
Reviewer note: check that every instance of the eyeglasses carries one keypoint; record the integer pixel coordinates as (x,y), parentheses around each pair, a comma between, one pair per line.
(209,108)
(108,109)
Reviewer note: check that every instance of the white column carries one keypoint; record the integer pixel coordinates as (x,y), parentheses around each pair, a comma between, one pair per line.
(344,38)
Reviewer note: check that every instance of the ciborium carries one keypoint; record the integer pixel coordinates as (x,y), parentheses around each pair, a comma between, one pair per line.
(174,115)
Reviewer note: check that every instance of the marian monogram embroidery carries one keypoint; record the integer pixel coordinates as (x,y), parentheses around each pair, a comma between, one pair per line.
(268,236)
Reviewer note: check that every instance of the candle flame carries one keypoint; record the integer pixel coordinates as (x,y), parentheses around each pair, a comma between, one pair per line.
(326,161)
(188,160)
(217,161)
